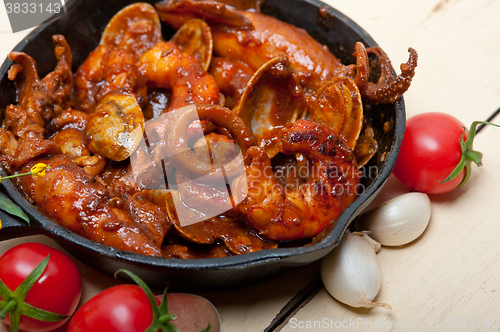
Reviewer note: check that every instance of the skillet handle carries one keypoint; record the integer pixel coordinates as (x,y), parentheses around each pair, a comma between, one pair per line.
(13,227)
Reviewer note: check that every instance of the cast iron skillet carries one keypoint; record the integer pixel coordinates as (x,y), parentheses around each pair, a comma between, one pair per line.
(82,27)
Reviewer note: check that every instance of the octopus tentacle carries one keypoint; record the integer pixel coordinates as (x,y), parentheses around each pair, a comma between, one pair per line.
(185,159)
(59,83)
(387,89)
(362,66)
(165,66)
(281,213)
(37,101)
(31,95)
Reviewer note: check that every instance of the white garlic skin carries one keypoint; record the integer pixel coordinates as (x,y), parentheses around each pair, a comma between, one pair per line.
(398,221)
(351,273)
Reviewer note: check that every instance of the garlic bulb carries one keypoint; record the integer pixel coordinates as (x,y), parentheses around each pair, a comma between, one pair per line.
(351,274)
(397,221)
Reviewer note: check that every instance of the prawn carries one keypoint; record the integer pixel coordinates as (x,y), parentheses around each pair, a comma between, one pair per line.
(80,203)
(105,70)
(165,66)
(71,138)
(232,78)
(282,213)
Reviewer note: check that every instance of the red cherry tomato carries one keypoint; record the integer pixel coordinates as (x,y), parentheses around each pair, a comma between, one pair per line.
(429,153)
(58,289)
(116,309)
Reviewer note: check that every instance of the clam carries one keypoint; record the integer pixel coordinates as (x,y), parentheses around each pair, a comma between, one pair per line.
(338,105)
(366,147)
(195,38)
(272,98)
(115,128)
(135,29)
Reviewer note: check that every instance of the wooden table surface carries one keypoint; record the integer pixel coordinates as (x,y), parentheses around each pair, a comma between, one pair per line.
(449,278)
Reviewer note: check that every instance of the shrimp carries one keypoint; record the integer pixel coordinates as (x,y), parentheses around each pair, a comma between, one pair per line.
(112,64)
(81,204)
(165,66)
(232,78)
(71,138)
(105,70)
(280,213)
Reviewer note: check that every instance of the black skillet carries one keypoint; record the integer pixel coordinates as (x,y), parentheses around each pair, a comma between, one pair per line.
(82,26)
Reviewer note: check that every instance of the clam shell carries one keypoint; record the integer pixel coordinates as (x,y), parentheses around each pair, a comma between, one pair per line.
(338,105)
(273,97)
(135,29)
(195,38)
(115,128)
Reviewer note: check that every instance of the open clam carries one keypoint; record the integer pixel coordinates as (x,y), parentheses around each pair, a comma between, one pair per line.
(273,97)
(115,128)
(195,38)
(135,29)
(366,147)
(338,105)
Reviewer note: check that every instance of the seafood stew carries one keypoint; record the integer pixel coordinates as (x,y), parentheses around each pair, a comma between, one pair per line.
(139,201)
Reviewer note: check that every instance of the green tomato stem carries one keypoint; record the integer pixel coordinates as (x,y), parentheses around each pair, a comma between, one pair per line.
(164,318)
(15,305)
(468,154)
(161,317)
(15,320)
(475,156)
(10,306)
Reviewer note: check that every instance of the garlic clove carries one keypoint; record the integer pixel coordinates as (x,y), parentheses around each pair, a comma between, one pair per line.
(351,274)
(398,221)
